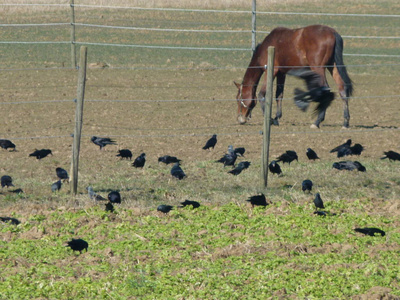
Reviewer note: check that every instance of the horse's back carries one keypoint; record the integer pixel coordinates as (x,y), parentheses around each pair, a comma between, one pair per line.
(300,46)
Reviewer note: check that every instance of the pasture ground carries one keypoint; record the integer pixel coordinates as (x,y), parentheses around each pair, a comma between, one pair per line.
(225,249)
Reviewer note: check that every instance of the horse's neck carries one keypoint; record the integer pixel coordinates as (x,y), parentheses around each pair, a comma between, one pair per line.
(250,82)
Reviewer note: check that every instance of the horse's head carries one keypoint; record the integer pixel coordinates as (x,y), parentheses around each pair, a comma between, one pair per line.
(245,102)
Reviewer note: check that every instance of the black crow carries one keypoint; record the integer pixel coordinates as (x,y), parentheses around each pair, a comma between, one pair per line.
(78,245)
(166,159)
(93,195)
(258,200)
(345,145)
(62,174)
(391,155)
(177,171)
(5,144)
(12,221)
(211,142)
(316,93)
(164,208)
(311,154)
(239,151)
(323,213)
(274,167)
(370,231)
(6,181)
(102,142)
(194,204)
(349,166)
(318,201)
(39,154)
(140,161)
(356,149)
(109,207)
(56,186)
(114,197)
(288,157)
(125,153)
(306,185)
(228,159)
(240,167)
(344,151)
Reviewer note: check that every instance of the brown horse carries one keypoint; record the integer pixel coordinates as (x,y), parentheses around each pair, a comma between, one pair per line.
(317,46)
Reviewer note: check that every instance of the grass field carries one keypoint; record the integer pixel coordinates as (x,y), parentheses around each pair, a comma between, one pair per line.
(170,101)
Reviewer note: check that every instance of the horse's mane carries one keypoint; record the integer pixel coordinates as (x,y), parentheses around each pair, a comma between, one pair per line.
(256,49)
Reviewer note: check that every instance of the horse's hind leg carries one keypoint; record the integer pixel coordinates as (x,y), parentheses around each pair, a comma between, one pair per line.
(340,83)
(321,115)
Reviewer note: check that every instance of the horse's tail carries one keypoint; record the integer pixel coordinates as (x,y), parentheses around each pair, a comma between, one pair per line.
(338,58)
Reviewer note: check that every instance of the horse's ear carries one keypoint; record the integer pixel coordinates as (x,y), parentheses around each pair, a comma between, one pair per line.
(238,85)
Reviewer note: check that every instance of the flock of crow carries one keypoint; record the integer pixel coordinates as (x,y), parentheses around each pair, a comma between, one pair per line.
(316,93)
(229,159)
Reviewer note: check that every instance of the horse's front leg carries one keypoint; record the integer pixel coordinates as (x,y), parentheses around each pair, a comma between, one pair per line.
(320,118)
(280,84)
(261,96)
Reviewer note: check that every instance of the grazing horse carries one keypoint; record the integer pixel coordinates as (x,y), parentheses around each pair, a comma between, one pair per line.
(318,47)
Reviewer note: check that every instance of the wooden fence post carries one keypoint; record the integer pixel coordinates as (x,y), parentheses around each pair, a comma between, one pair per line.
(72,18)
(78,118)
(267,116)
(253,26)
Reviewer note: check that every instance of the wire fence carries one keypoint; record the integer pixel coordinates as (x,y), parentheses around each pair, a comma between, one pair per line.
(78,40)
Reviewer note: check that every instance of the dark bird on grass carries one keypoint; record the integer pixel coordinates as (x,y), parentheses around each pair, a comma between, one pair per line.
(316,93)
(311,154)
(239,151)
(166,159)
(349,166)
(78,245)
(323,213)
(125,153)
(229,158)
(177,171)
(258,200)
(356,149)
(370,231)
(39,154)
(211,142)
(164,208)
(6,181)
(114,197)
(274,168)
(318,201)
(140,161)
(62,174)
(6,144)
(345,145)
(344,151)
(351,150)
(194,204)
(391,155)
(102,142)
(243,165)
(56,186)
(306,185)
(12,221)
(109,207)
(288,157)
(93,195)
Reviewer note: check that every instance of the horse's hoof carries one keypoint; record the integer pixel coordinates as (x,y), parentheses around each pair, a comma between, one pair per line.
(275,122)
(313,126)
(344,127)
